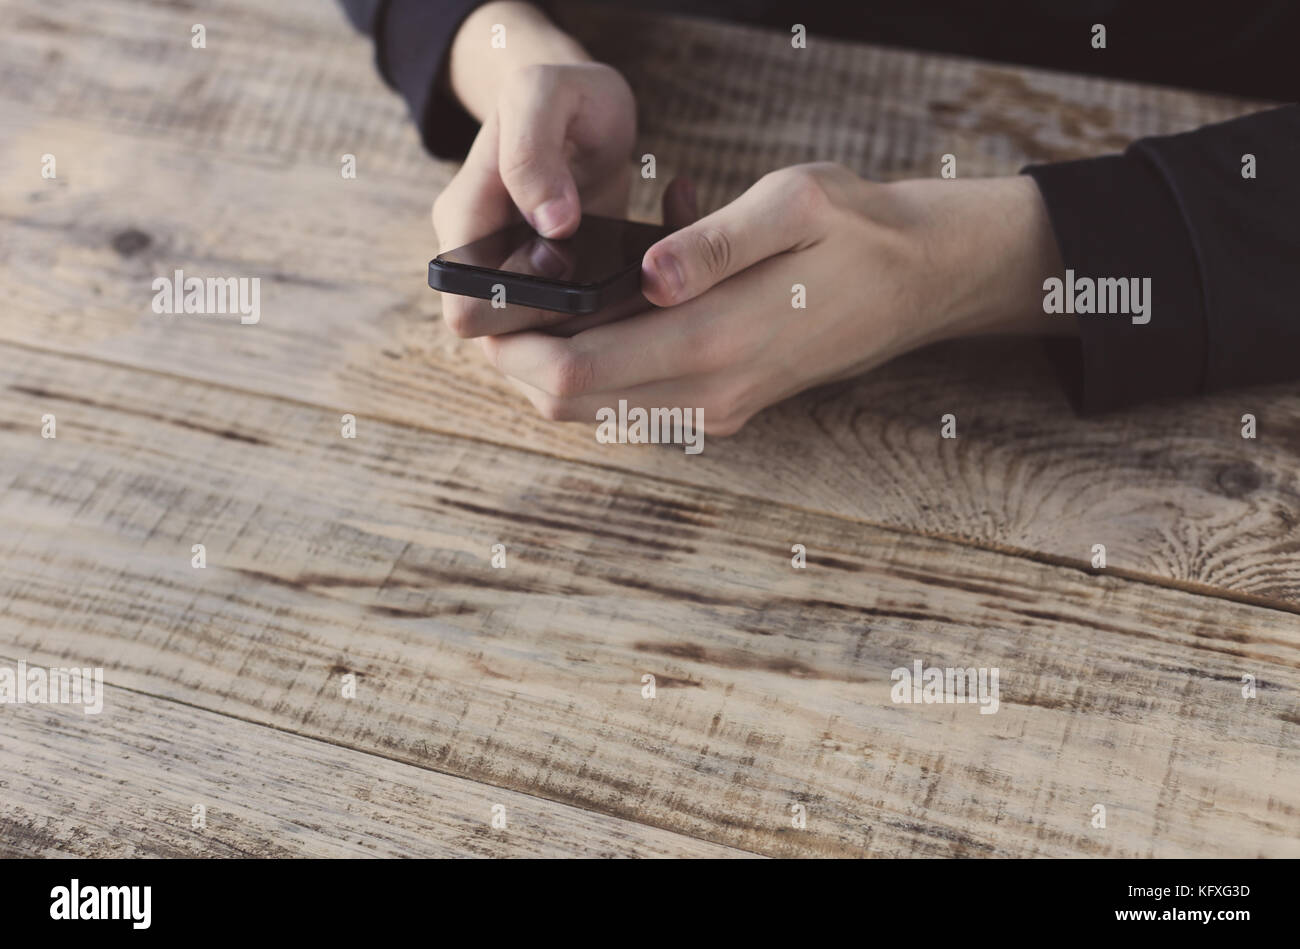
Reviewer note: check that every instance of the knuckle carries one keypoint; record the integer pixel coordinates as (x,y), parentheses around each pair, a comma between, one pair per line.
(527,79)
(713,249)
(728,409)
(572,373)
(491,350)
(551,408)
(714,349)
(460,315)
(828,169)
(805,194)
(521,158)
(438,213)
(723,426)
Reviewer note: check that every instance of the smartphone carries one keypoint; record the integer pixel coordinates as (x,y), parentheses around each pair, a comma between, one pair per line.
(599,267)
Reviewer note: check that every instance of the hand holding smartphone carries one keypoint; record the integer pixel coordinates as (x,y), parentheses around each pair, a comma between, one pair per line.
(596,272)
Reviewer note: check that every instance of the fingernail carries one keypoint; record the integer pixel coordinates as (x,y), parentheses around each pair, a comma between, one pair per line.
(551,215)
(667,273)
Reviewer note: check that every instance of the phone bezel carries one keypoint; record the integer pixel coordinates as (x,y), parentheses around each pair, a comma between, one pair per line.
(543,293)
(537,292)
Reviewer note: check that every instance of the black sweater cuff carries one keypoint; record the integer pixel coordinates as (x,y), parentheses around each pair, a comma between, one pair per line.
(412,46)
(1116,217)
(1210,216)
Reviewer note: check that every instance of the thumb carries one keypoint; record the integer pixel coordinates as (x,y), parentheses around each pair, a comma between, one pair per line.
(762,222)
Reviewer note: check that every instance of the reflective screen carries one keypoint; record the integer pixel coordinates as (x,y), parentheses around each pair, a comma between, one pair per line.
(601,248)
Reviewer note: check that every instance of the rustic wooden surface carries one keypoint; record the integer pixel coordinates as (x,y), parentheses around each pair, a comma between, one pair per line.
(522,686)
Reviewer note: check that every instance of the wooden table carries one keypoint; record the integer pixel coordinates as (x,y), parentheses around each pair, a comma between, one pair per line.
(523,687)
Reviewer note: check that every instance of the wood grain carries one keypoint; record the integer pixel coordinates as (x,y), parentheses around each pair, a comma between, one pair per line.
(225,161)
(124,783)
(371,555)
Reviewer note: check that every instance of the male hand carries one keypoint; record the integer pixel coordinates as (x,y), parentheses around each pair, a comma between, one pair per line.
(884,268)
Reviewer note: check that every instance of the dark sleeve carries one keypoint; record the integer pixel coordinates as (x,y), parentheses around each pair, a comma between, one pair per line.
(412,43)
(1222,252)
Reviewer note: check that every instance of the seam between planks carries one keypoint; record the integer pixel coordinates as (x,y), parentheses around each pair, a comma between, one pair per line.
(424,767)
(1189,587)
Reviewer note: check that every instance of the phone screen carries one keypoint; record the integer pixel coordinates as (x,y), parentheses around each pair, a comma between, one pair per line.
(600,249)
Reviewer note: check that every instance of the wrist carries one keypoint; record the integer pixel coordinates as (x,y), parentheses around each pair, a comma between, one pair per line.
(988,246)
(497,39)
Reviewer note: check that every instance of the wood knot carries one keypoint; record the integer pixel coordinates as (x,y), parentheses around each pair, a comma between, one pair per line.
(1238,479)
(130,242)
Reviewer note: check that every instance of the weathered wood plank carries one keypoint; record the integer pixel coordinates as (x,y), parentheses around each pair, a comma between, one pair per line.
(371,556)
(225,161)
(125,782)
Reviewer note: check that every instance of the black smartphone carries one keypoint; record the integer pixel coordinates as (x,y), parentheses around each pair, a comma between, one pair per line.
(598,267)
